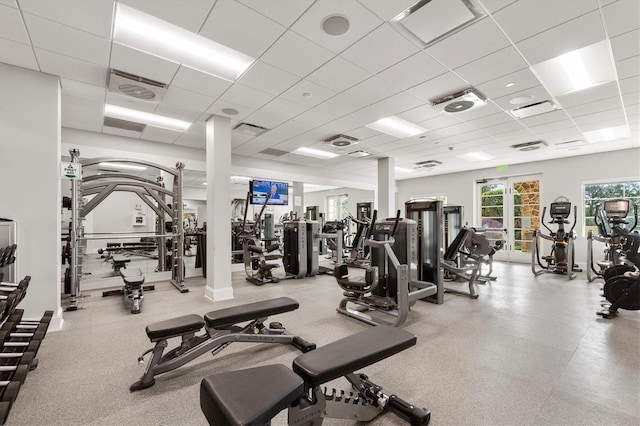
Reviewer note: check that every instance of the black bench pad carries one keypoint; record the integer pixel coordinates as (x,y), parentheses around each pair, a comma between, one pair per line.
(250,311)
(132,276)
(174,327)
(249,397)
(351,353)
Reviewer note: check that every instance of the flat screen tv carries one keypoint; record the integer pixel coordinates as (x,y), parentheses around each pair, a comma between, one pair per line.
(279,192)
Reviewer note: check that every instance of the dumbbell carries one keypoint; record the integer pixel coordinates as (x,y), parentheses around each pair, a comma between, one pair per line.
(20,342)
(13,366)
(24,325)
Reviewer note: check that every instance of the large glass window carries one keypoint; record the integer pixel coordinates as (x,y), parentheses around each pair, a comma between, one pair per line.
(595,195)
(337,207)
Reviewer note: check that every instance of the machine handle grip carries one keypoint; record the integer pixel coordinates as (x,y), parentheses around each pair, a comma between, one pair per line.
(575,219)
(395,225)
(411,413)
(373,222)
(303,345)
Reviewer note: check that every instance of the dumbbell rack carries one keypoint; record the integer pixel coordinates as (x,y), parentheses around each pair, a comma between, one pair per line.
(20,340)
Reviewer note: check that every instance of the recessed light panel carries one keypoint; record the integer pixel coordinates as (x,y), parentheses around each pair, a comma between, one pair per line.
(402,170)
(154,36)
(396,126)
(147,118)
(577,70)
(607,134)
(122,166)
(316,153)
(475,156)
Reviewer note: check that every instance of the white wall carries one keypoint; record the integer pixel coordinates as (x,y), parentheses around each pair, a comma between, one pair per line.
(355,196)
(30,181)
(559,177)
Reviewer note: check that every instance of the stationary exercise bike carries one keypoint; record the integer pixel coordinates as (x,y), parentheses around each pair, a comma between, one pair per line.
(561,258)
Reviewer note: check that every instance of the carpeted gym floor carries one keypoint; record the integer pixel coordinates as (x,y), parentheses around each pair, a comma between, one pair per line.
(529,351)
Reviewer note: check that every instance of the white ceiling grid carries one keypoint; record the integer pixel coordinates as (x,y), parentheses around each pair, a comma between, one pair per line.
(306,85)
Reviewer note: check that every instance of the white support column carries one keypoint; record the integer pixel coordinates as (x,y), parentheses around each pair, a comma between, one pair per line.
(218,134)
(386,194)
(298,199)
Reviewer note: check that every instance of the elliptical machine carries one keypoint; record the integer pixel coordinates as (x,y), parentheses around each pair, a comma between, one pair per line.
(561,258)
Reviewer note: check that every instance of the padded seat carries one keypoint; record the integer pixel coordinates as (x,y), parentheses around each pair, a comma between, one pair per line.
(249,397)
(174,327)
(133,277)
(121,260)
(351,353)
(250,311)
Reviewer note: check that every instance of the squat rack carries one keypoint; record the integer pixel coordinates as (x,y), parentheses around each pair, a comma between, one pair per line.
(152,193)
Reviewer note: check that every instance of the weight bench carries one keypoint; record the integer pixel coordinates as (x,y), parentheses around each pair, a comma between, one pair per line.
(133,290)
(221,328)
(119,263)
(255,395)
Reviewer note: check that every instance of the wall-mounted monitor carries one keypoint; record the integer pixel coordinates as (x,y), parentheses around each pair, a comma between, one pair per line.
(279,192)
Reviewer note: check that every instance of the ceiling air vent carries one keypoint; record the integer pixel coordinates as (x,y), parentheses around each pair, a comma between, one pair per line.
(534,109)
(136,86)
(273,152)
(359,154)
(124,124)
(428,164)
(341,141)
(465,100)
(250,129)
(529,146)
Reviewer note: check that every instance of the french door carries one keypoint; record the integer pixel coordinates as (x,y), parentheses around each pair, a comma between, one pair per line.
(509,209)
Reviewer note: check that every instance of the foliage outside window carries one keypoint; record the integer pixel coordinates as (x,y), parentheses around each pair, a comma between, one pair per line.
(596,194)
(337,207)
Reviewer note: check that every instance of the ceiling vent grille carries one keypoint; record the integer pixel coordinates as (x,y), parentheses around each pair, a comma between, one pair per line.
(273,152)
(534,109)
(138,87)
(124,124)
(359,154)
(465,100)
(572,143)
(428,164)
(341,141)
(250,129)
(529,146)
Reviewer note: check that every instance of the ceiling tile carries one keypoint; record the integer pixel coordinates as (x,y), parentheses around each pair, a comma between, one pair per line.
(11,25)
(386,9)
(490,120)
(92,16)
(395,104)
(315,117)
(246,96)
(593,107)
(284,12)
(631,98)
(81,113)
(621,17)
(539,94)
(67,41)
(631,84)
(497,88)
(338,75)
(296,54)
(18,54)
(526,18)
(186,99)
(361,22)
(136,62)
(196,81)
(420,113)
(121,132)
(439,122)
(628,67)
(492,6)
(219,105)
(412,71)
(370,91)
(503,62)
(338,106)
(276,112)
(316,94)
(503,128)
(159,135)
(588,125)
(174,11)
(553,127)
(592,94)
(626,45)
(599,117)
(74,69)
(442,85)
(575,34)
(81,90)
(236,26)
(469,44)
(179,113)
(194,136)
(269,79)
(489,109)
(548,117)
(125,101)
(10,3)
(379,49)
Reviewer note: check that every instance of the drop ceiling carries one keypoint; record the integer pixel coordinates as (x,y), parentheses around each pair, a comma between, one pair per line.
(307,86)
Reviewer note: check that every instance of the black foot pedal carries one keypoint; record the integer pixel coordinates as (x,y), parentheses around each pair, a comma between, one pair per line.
(276,326)
(303,345)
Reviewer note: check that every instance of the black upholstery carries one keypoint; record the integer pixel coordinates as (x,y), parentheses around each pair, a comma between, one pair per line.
(249,397)
(250,311)
(351,353)
(174,327)
(456,244)
(133,277)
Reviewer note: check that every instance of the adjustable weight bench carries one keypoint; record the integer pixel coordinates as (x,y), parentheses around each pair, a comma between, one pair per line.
(254,396)
(221,328)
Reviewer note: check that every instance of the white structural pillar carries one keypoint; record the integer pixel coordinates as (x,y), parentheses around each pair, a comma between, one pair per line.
(386,188)
(30,181)
(218,134)
(298,199)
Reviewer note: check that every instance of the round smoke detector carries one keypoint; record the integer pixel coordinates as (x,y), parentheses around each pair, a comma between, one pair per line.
(335,25)
(230,111)
(458,106)
(530,148)
(137,91)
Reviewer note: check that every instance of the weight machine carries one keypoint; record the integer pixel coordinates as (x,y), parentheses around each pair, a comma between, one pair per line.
(561,258)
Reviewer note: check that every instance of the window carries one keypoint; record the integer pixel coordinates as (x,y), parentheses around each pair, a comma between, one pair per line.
(595,194)
(337,207)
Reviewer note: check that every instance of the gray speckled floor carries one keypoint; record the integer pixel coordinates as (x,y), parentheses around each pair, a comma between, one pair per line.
(528,351)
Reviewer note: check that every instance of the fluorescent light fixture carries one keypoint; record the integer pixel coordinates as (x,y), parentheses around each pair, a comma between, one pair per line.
(316,153)
(402,170)
(475,156)
(122,166)
(204,183)
(578,69)
(154,36)
(147,118)
(607,134)
(396,126)
(240,177)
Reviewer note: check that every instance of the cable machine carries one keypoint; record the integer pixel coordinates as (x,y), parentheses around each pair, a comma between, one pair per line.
(152,193)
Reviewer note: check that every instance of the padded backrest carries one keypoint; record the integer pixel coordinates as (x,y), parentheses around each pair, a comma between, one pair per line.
(456,244)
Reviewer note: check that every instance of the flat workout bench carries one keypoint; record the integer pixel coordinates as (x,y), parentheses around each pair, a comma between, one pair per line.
(255,395)
(220,329)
